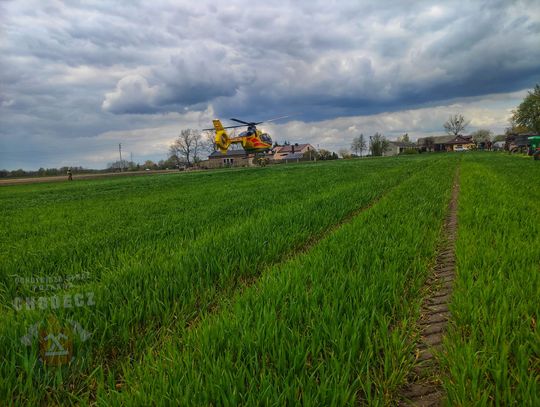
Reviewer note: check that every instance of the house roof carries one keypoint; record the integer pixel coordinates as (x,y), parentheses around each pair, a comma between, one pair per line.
(459,139)
(436,139)
(448,139)
(230,153)
(402,144)
(293,156)
(289,148)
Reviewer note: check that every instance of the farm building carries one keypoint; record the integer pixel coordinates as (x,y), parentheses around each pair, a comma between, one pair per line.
(232,158)
(460,143)
(291,152)
(398,147)
(446,143)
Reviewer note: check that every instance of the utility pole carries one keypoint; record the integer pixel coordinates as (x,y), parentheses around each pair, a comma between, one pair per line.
(120,151)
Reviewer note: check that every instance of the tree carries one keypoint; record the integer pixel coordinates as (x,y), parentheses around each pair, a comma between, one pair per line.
(482,139)
(455,125)
(482,136)
(187,146)
(149,164)
(344,153)
(528,112)
(429,143)
(170,162)
(208,141)
(324,154)
(116,166)
(404,138)
(378,145)
(358,144)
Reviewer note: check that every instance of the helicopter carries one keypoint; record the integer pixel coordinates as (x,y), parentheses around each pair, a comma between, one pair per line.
(252,140)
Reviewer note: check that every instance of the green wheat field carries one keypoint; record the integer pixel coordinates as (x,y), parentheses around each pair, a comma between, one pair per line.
(284,285)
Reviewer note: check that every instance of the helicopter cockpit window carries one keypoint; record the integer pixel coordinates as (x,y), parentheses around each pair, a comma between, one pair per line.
(266,138)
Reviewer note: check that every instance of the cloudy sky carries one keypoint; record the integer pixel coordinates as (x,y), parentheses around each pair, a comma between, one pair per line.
(79,77)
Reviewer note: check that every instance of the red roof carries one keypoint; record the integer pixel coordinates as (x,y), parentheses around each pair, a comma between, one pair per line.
(289,148)
(459,139)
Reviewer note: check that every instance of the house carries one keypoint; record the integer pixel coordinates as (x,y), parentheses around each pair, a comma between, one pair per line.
(292,152)
(232,158)
(446,143)
(436,143)
(398,147)
(460,143)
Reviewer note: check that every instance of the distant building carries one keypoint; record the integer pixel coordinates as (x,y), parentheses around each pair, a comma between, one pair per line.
(398,147)
(446,143)
(239,158)
(292,152)
(460,143)
(232,158)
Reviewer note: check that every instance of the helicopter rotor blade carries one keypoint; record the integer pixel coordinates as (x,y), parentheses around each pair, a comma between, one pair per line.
(227,127)
(280,117)
(234,127)
(246,123)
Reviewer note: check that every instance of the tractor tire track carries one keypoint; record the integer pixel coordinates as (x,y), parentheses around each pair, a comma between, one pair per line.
(424,387)
(246,282)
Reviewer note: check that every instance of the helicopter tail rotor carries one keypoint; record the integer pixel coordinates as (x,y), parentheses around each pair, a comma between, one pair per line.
(222,141)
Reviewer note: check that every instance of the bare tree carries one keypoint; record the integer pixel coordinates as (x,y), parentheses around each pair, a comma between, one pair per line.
(187,146)
(404,138)
(358,144)
(344,153)
(455,125)
(378,144)
(482,136)
(208,141)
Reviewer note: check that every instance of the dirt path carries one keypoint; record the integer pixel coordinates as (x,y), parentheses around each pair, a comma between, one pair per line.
(424,388)
(63,178)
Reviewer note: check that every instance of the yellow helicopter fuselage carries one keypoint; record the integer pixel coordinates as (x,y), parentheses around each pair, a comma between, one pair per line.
(252,141)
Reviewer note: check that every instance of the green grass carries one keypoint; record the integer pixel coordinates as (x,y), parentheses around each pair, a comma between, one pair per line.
(329,327)
(162,250)
(493,344)
(320,329)
(277,285)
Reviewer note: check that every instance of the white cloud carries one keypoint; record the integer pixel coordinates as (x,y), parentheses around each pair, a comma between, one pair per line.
(132,95)
(74,71)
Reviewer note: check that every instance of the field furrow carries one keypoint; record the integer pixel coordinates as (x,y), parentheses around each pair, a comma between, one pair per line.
(492,350)
(316,330)
(285,285)
(137,298)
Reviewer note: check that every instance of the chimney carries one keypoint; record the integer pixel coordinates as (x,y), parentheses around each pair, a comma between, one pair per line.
(292,148)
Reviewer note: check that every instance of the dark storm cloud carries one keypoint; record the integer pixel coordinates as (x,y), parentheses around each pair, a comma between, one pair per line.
(85,68)
(329,59)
